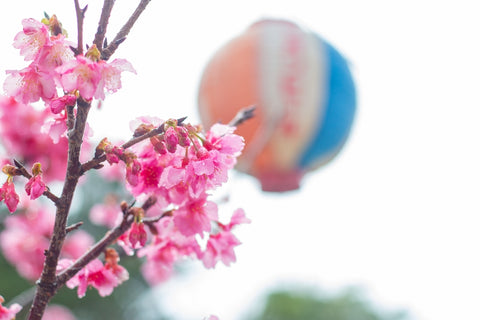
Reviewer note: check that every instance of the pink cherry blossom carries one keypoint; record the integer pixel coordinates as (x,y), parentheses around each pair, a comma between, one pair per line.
(30,84)
(111,76)
(137,235)
(31,39)
(80,74)
(96,275)
(238,217)
(35,186)
(220,246)
(10,312)
(92,78)
(9,196)
(165,249)
(54,53)
(195,216)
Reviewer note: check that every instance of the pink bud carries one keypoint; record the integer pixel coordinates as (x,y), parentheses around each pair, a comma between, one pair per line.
(171,139)
(35,187)
(8,194)
(137,235)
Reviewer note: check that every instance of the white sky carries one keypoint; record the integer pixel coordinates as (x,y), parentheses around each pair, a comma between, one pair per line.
(396,212)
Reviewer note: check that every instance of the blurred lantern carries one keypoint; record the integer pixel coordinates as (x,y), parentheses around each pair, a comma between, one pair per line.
(303,91)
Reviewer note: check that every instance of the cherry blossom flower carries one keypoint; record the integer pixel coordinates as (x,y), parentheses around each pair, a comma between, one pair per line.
(31,39)
(165,249)
(220,245)
(195,216)
(53,54)
(35,185)
(110,76)
(137,236)
(92,78)
(96,275)
(10,312)
(9,196)
(80,74)
(30,84)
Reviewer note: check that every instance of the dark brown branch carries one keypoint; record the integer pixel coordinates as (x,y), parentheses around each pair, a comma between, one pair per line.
(80,17)
(124,31)
(70,117)
(47,285)
(102,23)
(109,238)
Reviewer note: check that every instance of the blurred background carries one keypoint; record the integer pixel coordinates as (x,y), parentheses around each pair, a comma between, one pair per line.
(390,227)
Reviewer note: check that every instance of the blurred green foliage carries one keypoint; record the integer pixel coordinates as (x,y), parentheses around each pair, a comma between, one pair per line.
(307,304)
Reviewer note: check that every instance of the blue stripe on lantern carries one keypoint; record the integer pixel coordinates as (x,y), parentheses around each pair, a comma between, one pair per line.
(340,103)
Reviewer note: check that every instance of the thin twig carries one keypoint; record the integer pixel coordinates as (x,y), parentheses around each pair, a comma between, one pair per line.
(103,23)
(73,227)
(124,31)
(242,116)
(80,17)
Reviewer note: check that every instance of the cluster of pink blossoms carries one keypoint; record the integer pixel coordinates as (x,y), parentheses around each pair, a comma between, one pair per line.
(56,76)
(179,168)
(55,66)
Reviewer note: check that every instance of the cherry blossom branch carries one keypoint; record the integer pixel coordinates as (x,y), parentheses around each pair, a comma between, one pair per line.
(95,162)
(95,251)
(80,17)
(103,23)
(26,174)
(109,238)
(47,285)
(122,34)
